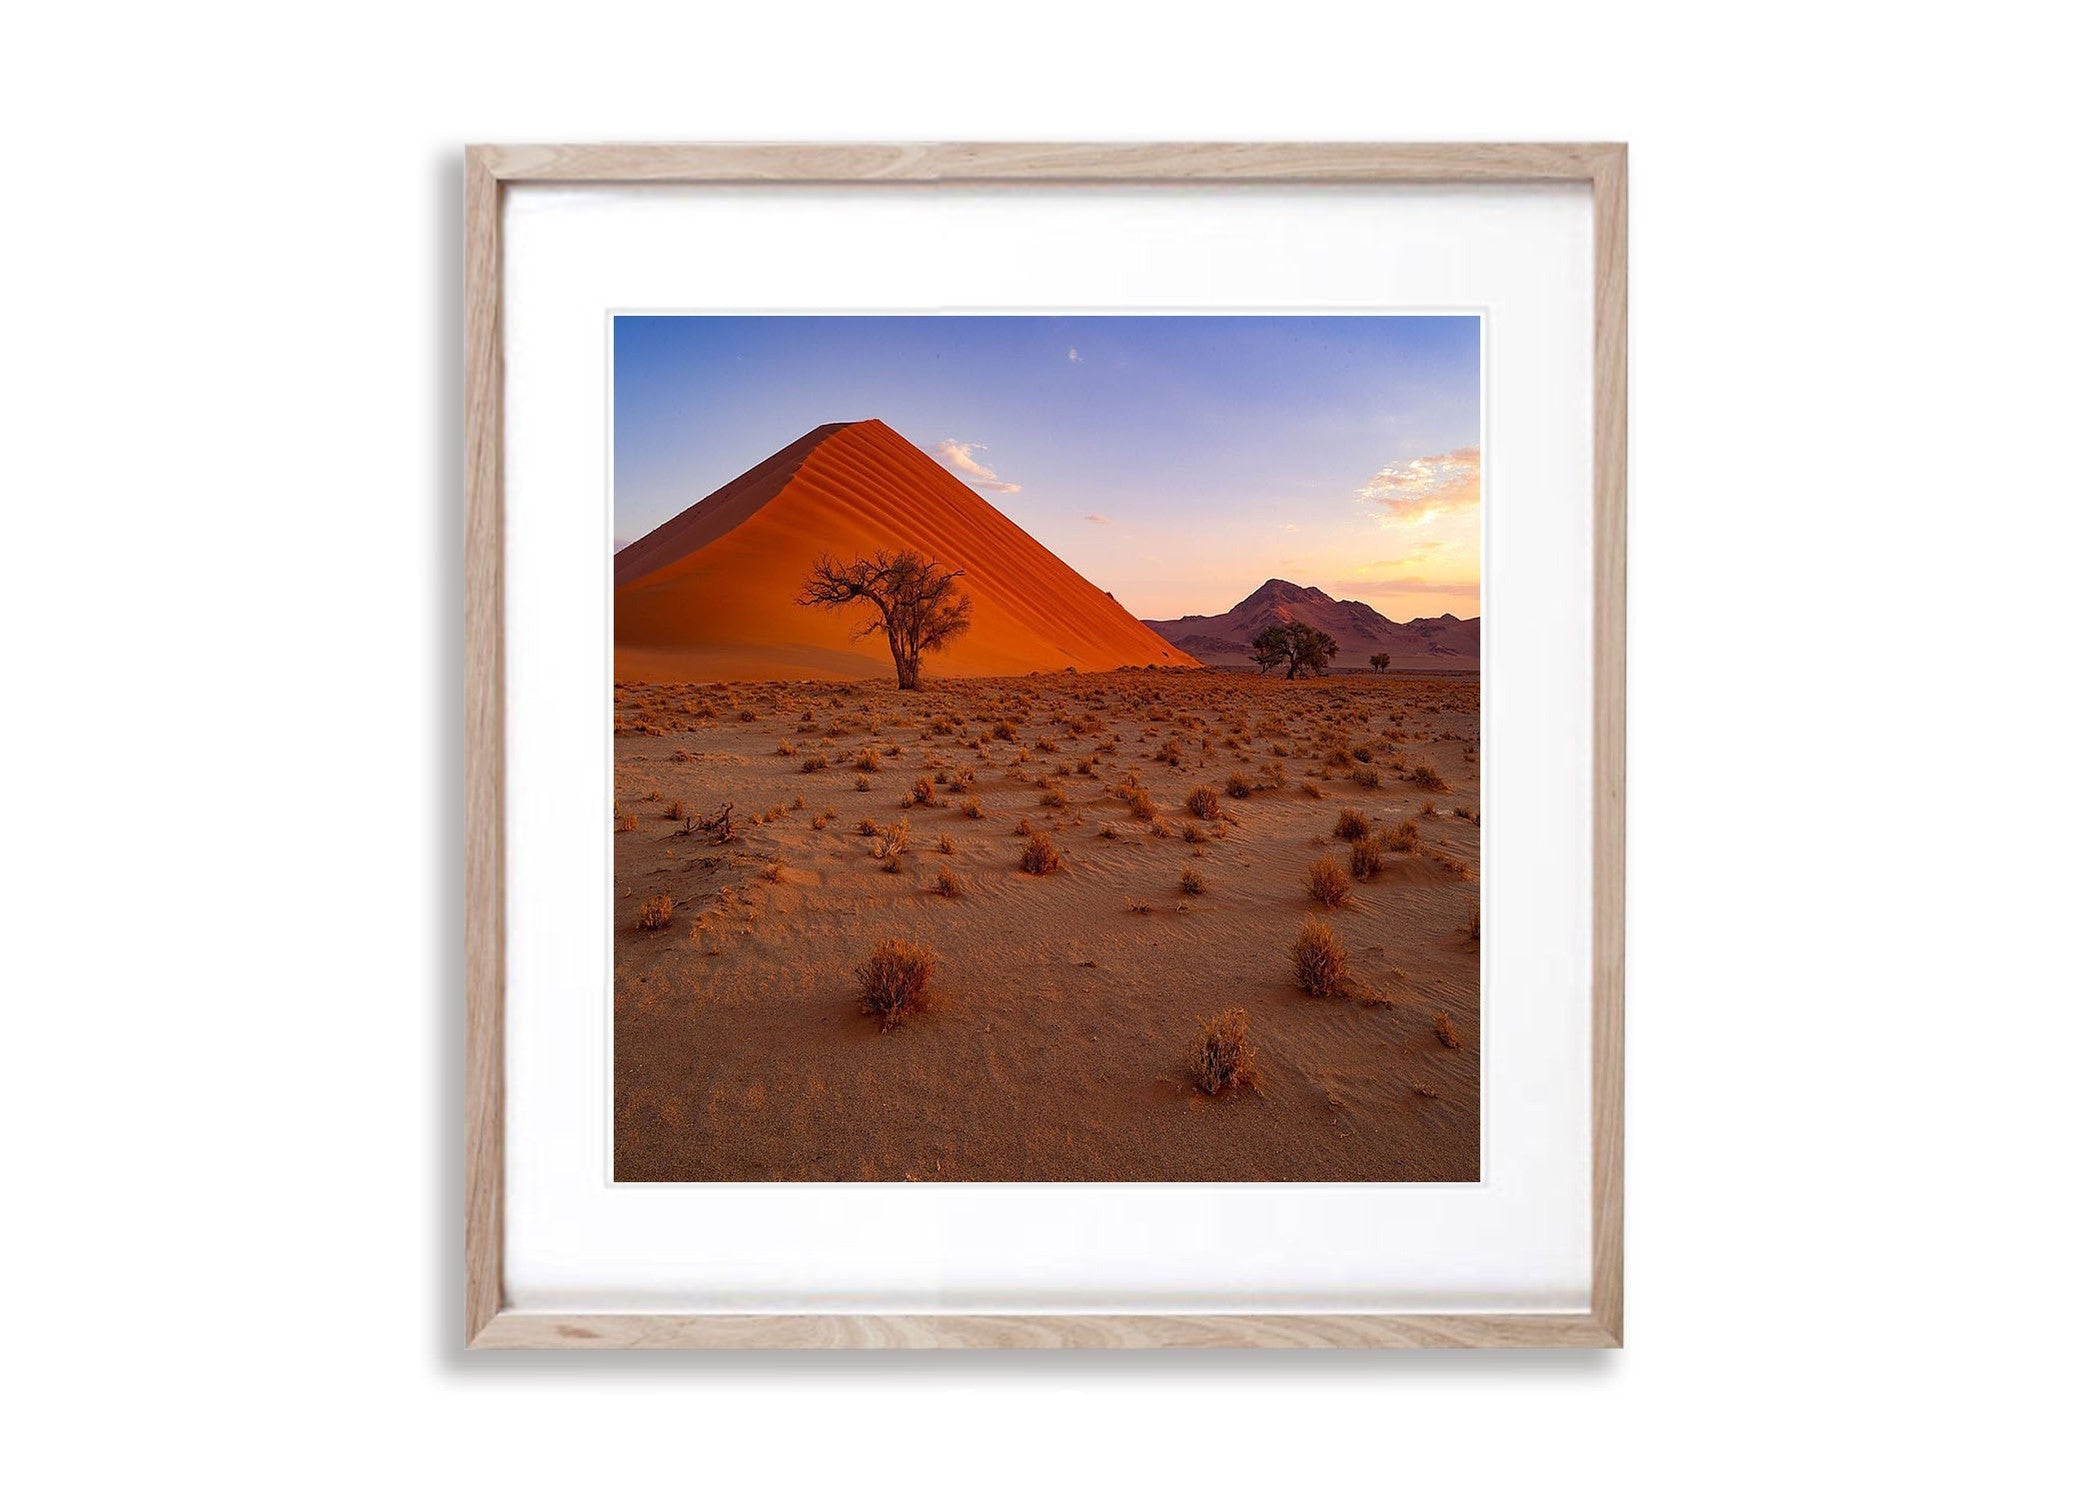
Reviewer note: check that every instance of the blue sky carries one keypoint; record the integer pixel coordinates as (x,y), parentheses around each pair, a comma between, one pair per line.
(1175,461)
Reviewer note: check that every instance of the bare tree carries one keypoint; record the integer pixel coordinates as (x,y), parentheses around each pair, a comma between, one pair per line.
(1295,646)
(917,605)
(1380,661)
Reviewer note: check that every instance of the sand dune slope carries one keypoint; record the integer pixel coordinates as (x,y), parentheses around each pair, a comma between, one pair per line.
(709,595)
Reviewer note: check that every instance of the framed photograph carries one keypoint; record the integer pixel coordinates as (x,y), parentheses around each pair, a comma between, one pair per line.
(1045,745)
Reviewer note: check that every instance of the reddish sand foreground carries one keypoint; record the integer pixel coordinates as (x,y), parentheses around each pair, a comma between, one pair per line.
(1065,1007)
(709,595)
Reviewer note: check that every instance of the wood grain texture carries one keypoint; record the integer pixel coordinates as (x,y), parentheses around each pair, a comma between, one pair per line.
(1607,921)
(484,744)
(520,1330)
(488,169)
(1351,161)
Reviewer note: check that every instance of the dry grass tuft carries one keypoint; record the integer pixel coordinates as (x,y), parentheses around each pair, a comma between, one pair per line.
(1427,778)
(1365,776)
(1140,804)
(893,981)
(1327,883)
(1191,882)
(1351,825)
(1040,856)
(627,823)
(675,812)
(973,808)
(1203,802)
(945,883)
(1446,1032)
(655,913)
(815,763)
(1238,786)
(1322,962)
(1364,861)
(1055,797)
(1224,1058)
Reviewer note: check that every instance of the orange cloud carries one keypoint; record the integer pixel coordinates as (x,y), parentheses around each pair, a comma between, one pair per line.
(1419,489)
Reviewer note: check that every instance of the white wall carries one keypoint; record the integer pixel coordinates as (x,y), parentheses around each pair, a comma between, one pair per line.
(1860,1038)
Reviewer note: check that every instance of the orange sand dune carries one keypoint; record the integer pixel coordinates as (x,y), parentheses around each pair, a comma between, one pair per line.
(709,594)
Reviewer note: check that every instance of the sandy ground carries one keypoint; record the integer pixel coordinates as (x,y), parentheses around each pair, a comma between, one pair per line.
(1065,1008)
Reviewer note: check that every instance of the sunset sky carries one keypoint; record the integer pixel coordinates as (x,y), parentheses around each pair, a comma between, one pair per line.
(1177,462)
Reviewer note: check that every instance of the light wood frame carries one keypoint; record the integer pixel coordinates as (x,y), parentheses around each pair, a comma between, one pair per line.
(489,171)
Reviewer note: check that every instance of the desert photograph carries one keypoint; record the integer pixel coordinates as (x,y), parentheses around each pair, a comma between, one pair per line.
(1046,749)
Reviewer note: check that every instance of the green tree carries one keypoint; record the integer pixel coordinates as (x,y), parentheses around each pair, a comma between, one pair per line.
(1297,647)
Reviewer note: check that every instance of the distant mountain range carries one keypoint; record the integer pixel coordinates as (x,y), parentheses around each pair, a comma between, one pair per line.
(1445,643)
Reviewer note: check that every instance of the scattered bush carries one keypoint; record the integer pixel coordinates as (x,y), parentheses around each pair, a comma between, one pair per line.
(1351,825)
(1327,884)
(945,883)
(1364,861)
(922,792)
(675,812)
(1203,802)
(1427,778)
(1140,804)
(815,763)
(1055,797)
(1446,1032)
(1322,962)
(655,913)
(1365,776)
(627,823)
(893,981)
(1040,856)
(1224,1058)
(1191,882)
(1238,786)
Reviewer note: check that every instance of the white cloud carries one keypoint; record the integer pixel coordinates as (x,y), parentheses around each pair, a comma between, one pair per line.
(1100,520)
(1418,489)
(1073,356)
(961,457)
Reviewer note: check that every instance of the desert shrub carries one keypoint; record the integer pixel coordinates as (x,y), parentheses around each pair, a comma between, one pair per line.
(1322,962)
(861,783)
(1140,804)
(1040,856)
(1366,776)
(1192,832)
(866,760)
(922,792)
(675,812)
(1446,1032)
(868,827)
(1005,729)
(1055,797)
(627,823)
(893,981)
(1311,789)
(1191,882)
(1327,884)
(946,844)
(1364,860)
(786,747)
(945,883)
(1238,786)
(1169,753)
(815,763)
(1406,837)
(973,808)
(1203,802)
(1224,1058)
(775,872)
(655,913)
(1351,825)
(1428,778)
